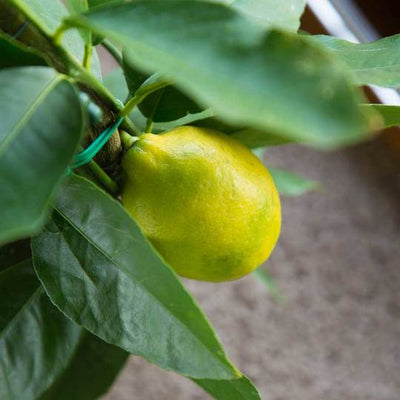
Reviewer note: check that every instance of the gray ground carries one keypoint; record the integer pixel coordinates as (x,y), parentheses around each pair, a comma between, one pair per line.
(337,337)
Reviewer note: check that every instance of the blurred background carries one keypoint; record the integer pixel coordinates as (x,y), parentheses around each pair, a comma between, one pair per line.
(336,333)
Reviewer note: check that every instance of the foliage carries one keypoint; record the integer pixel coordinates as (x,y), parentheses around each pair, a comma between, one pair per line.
(84,288)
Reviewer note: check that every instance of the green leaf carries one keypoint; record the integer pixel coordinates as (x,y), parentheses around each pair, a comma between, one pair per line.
(115,83)
(236,389)
(40,128)
(390,114)
(266,279)
(273,81)
(134,77)
(14,53)
(91,371)
(289,184)
(272,13)
(14,253)
(99,269)
(375,63)
(36,340)
(168,104)
(48,15)
(254,138)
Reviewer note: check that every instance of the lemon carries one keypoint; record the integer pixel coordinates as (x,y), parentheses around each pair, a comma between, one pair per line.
(207,204)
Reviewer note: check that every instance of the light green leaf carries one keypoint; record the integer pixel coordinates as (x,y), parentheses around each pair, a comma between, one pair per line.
(36,340)
(273,81)
(116,84)
(99,269)
(14,53)
(47,15)
(40,128)
(236,389)
(375,63)
(266,279)
(272,13)
(90,372)
(289,184)
(390,114)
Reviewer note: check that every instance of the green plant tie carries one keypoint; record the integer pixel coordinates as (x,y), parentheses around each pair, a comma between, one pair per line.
(85,156)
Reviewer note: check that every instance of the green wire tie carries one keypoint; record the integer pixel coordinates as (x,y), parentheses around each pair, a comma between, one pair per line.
(90,152)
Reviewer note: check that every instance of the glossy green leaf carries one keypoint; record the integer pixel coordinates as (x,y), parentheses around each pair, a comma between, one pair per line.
(272,13)
(36,340)
(91,371)
(390,114)
(289,184)
(236,389)
(273,81)
(48,16)
(99,269)
(375,63)
(14,53)
(40,128)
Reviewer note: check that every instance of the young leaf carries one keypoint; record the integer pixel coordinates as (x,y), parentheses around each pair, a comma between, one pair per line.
(36,340)
(274,81)
(289,184)
(47,15)
(40,128)
(390,114)
(91,371)
(375,63)
(271,13)
(236,389)
(14,53)
(266,279)
(99,269)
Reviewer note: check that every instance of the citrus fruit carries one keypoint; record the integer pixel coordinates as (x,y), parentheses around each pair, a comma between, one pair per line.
(207,204)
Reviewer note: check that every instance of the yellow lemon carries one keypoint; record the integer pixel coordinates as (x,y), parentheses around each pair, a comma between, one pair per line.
(207,204)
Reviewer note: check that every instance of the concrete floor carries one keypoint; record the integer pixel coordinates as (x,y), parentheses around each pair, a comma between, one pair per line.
(337,336)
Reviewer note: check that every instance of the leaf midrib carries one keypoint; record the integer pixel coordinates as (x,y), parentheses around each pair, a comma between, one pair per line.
(36,103)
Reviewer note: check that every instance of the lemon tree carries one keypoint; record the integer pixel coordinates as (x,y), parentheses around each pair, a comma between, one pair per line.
(112,186)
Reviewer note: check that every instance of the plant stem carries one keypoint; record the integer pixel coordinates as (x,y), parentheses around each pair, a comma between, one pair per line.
(87,57)
(127,140)
(106,181)
(113,50)
(149,125)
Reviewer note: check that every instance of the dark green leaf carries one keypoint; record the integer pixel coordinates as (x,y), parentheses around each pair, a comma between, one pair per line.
(273,81)
(100,270)
(91,371)
(48,16)
(272,13)
(168,104)
(235,389)
(390,114)
(14,253)
(14,53)
(289,184)
(375,63)
(36,340)
(134,77)
(40,128)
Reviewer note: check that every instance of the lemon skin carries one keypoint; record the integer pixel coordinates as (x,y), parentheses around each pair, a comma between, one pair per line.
(206,203)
